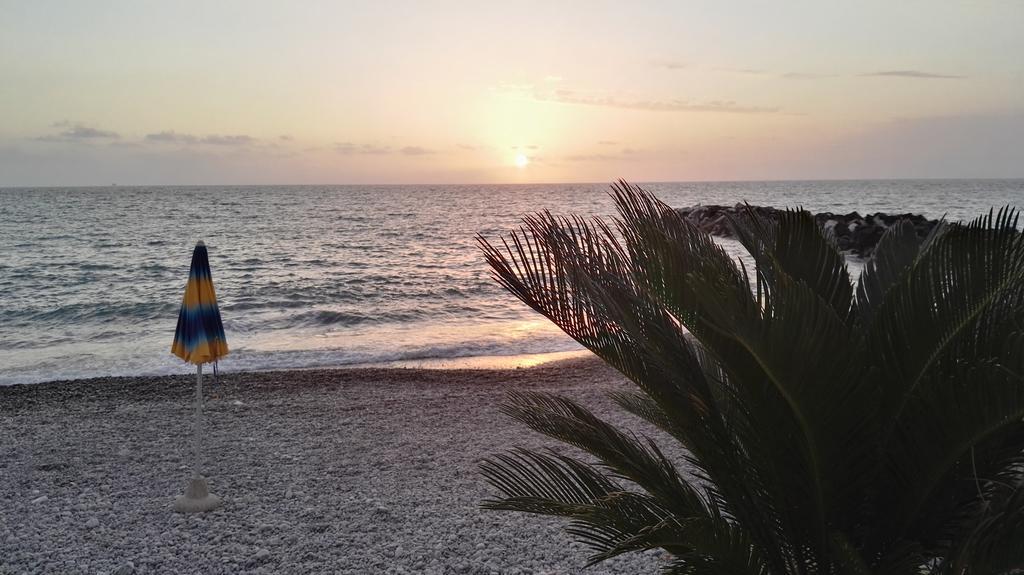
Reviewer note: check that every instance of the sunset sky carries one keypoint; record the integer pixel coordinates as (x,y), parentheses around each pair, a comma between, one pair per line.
(93,93)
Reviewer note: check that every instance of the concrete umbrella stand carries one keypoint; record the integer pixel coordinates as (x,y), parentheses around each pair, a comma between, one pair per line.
(199,339)
(197,497)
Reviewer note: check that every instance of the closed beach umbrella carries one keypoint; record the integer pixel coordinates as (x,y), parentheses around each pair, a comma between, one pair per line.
(199,339)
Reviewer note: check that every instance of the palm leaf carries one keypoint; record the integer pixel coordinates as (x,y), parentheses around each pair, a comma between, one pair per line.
(604,515)
(625,455)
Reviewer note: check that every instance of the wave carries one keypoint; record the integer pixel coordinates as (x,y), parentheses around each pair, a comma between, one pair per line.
(241,359)
(86,313)
(353,318)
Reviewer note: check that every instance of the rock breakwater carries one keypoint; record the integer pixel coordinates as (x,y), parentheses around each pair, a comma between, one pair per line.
(855,234)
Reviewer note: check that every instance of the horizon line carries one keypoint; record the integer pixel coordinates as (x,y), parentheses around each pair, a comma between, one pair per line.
(470,184)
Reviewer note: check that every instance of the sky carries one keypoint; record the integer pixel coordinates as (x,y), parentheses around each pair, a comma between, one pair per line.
(261,92)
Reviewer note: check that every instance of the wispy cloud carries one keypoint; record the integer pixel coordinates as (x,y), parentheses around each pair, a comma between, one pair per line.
(416,151)
(747,71)
(171,137)
(350,149)
(608,143)
(591,158)
(669,64)
(715,106)
(770,73)
(85,132)
(228,140)
(804,76)
(913,74)
(625,154)
(77,131)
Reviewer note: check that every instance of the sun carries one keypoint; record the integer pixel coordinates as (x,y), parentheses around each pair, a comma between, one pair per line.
(522,161)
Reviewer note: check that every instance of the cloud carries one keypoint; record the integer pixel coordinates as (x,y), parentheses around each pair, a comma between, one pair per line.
(747,71)
(76,131)
(350,149)
(913,74)
(669,64)
(804,76)
(625,154)
(416,151)
(565,96)
(591,158)
(228,140)
(715,106)
(172,137)
(285,138)
(786,75)
(608,143)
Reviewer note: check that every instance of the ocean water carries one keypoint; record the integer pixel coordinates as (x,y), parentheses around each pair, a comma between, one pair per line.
(91,278)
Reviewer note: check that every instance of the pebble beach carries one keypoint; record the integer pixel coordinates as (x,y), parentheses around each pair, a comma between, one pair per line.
(320,471)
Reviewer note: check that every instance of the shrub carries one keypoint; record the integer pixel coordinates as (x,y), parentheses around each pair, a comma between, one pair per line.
(827,427)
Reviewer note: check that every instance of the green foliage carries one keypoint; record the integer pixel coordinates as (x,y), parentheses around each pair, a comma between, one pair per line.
(827,427)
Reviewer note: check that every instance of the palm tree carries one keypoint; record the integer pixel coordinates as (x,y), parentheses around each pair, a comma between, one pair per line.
(827,427)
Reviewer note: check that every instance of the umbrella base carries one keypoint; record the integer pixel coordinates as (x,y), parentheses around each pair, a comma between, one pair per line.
(197,498)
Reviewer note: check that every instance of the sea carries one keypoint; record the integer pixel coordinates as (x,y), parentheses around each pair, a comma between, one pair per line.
(91,279)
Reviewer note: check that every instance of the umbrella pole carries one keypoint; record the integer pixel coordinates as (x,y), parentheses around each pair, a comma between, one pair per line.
(197,497)
(197,427)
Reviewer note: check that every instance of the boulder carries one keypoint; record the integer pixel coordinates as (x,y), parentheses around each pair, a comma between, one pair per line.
(854,234)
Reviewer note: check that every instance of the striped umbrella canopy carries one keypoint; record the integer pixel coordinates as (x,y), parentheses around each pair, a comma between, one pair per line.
(199,337)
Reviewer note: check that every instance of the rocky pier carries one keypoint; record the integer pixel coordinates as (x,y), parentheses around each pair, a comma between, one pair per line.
(855,234)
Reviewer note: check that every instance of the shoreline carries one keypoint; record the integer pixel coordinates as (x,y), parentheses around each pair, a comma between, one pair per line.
(351,470)
(471,362)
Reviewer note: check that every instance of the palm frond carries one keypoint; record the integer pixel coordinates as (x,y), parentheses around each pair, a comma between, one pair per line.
(608,518)
(700,285)
(943,340)
(717,548)
(544,483)
(796,246)
(642,406)
(895,253)
(629,458)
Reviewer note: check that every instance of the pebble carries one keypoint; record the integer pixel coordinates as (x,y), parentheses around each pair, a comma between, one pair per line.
(40,499)
(127,568)
(362,499)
